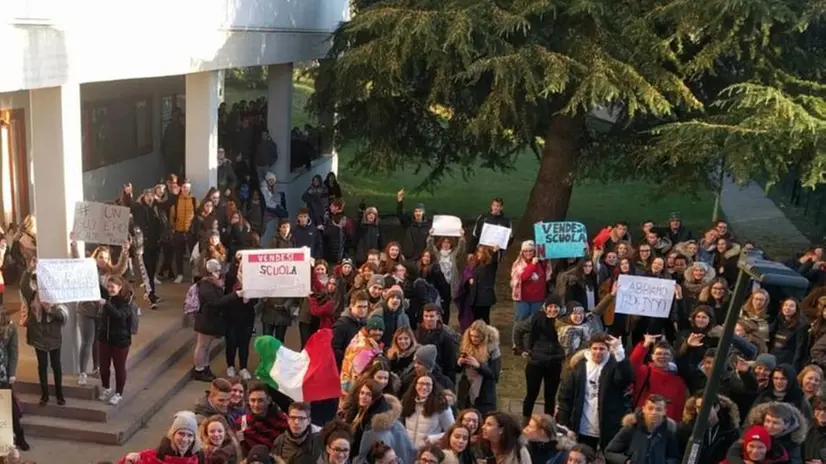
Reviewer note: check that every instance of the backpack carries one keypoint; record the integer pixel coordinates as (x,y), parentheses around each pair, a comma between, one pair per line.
(192,302)
(431,295)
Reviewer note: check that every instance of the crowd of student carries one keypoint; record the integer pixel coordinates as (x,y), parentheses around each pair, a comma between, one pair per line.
(413,387)
(416,390)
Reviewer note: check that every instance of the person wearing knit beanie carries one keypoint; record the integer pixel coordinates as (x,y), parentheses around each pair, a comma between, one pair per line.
(184,421)
(766,360)
(764,364)
(376,281)
(375,322)
(426,357)
(756,443)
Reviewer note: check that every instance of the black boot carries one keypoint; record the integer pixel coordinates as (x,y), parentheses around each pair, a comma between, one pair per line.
(20,442)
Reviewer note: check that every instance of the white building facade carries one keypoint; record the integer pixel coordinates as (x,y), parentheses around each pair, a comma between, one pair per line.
(71,66)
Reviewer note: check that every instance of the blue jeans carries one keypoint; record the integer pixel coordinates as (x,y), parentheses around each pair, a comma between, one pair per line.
(521,311)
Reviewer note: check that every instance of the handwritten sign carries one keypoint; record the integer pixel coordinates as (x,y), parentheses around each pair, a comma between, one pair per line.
(644,296)
(283,273)
(447,226)
(101,223)
(67,280)
(6,431)
(560,239)
(495,236)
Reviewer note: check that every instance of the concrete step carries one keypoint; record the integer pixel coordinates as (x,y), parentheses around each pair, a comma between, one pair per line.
(88,410)
(92,390)
(70,390)
(129,416)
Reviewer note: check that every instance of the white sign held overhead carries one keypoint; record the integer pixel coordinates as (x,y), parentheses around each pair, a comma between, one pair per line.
(644,296)
(101,223)
(447,226)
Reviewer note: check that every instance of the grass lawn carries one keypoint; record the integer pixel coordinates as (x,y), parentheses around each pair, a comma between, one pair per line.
(594,204)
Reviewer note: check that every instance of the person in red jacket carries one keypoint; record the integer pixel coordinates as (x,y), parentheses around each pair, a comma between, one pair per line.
(323,305)
(658,376)
(529,282)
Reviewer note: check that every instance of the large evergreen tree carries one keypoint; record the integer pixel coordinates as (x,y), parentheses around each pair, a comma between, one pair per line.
(448,85)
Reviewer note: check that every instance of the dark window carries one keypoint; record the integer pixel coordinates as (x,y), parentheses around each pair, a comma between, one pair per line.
(116,130)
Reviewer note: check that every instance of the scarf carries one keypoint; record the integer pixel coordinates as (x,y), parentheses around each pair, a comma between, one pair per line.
(446,264)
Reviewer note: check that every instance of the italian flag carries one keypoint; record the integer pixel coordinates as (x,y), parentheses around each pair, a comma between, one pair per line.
(311,375)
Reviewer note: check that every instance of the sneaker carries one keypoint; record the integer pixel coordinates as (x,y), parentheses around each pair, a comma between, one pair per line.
(179,279)
(44,400)
(95,373)
(115,399)
(202,376)
(231,371)
(245,374)
(61,401)
(153,300)
(105,394)
(82,379)
(158,281)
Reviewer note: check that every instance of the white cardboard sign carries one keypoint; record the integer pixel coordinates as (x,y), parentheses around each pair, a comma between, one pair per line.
(68,280)
(644,296)
(282,273)
(447,226)
(101,223)
(495,236)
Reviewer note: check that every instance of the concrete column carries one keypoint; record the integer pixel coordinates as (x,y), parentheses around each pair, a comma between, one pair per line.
(57,171)
(279,115)
(204,92)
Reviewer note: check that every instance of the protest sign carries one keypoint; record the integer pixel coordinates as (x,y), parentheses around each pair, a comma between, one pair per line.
(560,239)
(6,430)
(68,280)
(447,226)
(101,223)
(644,296)
(495,236)
(283,273)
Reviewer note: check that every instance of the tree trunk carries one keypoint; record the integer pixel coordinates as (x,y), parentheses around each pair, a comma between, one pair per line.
(551,192)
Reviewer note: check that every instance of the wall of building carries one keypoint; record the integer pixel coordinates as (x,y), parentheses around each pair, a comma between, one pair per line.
(150,38)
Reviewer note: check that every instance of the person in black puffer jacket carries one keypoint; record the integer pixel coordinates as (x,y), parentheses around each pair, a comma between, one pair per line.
(349,324)
(147,217)
(210,320)
(368,235)
(536,339)
(416,227)
(115,336)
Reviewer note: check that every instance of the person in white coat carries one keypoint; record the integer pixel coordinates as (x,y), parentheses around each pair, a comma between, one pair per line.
(425,410)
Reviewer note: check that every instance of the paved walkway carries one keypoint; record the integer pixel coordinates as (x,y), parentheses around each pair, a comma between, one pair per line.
(754,216)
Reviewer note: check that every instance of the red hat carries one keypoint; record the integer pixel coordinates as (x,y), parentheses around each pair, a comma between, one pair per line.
(757,433)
